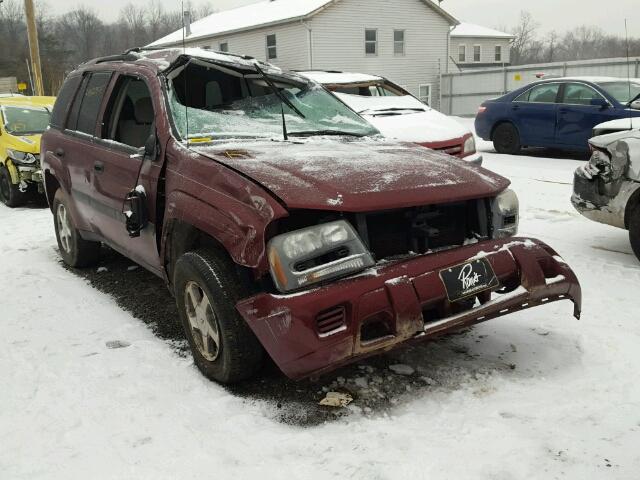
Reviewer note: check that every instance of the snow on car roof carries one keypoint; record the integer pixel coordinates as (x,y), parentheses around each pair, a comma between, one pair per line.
(242,18)
(596,79)
(473,30)
(334,78)
(361,103)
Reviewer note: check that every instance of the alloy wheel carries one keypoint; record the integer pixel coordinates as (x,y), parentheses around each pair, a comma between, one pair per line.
(64,228)
(202,320)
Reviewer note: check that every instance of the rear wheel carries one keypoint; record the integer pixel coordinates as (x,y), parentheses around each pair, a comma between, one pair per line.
(506,139)
(75,251)
(634,231)
(10,194)
(207,288)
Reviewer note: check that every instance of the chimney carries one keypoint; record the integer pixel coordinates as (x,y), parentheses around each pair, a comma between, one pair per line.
(187,22)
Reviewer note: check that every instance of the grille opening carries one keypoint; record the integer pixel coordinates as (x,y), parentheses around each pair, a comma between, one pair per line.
(424,229)
(331,320)
(548,267)
(510,220)
(376,327)
(332,256)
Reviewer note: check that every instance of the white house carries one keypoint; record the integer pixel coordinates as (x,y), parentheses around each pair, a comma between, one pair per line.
(406,41)
(474,46)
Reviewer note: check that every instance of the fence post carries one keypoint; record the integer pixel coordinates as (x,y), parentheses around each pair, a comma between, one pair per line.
(450,95)
(564,69)
(637,68)
(505,81)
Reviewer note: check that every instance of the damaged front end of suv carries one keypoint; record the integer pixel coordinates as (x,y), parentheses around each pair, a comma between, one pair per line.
(607,188)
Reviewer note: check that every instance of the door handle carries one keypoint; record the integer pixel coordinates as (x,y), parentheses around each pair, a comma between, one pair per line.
(563,110)
(515,107)
(98,167)
(59,152)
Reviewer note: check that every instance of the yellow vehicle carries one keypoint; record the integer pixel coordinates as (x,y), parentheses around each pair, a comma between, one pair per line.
(22,122)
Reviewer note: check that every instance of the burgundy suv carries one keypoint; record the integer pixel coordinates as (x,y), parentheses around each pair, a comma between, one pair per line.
(280,219)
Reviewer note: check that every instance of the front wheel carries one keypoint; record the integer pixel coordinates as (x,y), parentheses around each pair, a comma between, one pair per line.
(10,193)
(207,288)
(634,231)
(75,250)
(506,139)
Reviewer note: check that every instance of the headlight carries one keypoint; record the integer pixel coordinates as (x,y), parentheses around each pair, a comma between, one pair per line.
(22,158)
(469,145)
(315,254)
(506,214)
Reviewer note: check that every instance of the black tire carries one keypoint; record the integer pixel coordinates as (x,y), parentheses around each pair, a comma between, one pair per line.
(74,250)
(506,139)
(10,194)
(238,355)
(634,231)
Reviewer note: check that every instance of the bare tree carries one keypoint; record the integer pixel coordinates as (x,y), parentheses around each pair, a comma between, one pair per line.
(525,33)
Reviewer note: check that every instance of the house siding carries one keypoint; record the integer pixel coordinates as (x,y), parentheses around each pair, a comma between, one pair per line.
(292,41)
(338,41)
(487,53)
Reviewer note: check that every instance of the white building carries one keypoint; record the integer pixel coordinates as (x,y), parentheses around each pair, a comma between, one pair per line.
(474,46)
(406,41)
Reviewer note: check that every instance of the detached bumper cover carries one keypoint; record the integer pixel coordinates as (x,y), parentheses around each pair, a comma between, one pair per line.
(410,298)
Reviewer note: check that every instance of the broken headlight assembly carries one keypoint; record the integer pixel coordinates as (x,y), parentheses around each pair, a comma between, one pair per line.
(505,210)
(316,254)
(22,158)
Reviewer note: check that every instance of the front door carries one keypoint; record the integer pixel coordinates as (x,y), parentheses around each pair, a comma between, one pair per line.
(534,113)
(121,165)
(577,115)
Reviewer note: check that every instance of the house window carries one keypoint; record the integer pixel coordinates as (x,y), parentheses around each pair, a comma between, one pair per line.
(498,53)
(371,41)
(398,42)
(462,53)
(272,51)
(424,93)
(477,52)
(206,47)
(223,47)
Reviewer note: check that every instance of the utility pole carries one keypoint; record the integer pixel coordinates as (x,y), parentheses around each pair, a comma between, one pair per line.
(34,49)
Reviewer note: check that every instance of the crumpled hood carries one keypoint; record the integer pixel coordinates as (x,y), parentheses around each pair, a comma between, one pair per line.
(418,127)
(23,143)
(355,175)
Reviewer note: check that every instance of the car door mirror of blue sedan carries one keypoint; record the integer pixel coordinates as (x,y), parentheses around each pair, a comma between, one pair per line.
(599,102)
(635,105)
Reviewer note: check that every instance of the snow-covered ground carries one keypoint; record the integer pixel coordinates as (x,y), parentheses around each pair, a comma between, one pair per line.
(535,395)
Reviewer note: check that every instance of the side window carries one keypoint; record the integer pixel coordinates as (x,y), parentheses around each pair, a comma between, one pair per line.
(223,47)
(498,53)
(477,53)
(88,104)
(546,93)
(577,94)
(398,42)
(129,117)
(425,94)
(65,96)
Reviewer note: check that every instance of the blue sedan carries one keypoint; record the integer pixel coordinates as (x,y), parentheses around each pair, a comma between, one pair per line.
(556,113)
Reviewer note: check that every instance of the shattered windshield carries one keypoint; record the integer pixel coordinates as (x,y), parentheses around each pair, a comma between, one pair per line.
(222,103)
(623,92)
(25,120)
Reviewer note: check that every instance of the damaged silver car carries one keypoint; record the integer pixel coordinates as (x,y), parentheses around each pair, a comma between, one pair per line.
(607,188)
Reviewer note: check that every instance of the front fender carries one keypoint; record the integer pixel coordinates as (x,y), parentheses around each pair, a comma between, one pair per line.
(238,227)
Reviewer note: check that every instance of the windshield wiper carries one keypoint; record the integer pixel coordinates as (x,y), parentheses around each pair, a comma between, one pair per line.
(393,109)
(313,133)
(278,93)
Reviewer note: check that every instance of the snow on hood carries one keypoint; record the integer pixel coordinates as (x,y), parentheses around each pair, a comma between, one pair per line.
(619,124)
(355,175)
(425,126)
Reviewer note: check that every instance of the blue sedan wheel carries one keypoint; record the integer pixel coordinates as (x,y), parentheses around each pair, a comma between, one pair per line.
(506,139)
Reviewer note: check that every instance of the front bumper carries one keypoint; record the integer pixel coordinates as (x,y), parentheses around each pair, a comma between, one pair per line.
(408,298)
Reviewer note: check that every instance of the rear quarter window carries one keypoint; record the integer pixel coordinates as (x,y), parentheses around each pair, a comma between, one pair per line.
(63,101)
(86,107)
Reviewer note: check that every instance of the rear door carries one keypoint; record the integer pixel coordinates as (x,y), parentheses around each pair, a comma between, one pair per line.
(127,123)
(77,147)
(577,116)
(534,113)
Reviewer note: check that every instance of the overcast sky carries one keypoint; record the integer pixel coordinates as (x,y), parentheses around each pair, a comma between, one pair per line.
(560,15)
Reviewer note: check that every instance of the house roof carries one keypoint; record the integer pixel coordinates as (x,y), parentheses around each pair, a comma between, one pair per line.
(262,14)
(472,30)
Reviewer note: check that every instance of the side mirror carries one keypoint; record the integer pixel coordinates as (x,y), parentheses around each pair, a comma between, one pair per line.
(599,102)
(635,105)
(137,217)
